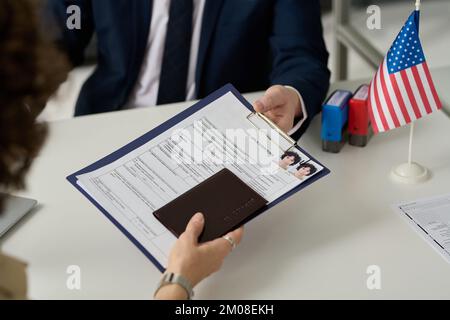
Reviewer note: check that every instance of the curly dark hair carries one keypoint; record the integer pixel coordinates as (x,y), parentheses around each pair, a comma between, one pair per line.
(312,168)
(31,69)
(296,156)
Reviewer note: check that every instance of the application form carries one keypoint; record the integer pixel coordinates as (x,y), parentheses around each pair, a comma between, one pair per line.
(431,218)
(131,188)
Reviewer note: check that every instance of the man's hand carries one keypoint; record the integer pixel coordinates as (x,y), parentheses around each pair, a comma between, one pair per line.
(281,105)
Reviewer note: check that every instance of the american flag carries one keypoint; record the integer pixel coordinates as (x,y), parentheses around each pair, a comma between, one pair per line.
(402,90)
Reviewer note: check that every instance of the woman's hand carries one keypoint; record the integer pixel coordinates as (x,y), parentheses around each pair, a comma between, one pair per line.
(196,261)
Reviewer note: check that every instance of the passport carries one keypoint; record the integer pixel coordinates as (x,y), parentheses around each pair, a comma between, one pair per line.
(225,201)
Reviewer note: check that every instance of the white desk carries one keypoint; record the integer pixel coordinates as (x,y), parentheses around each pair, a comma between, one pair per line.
(317,244)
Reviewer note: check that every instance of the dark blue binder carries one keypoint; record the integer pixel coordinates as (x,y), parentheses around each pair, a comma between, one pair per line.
(159,130)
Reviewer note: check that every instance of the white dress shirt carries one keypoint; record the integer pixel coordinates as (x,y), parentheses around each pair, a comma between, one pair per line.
(145,92)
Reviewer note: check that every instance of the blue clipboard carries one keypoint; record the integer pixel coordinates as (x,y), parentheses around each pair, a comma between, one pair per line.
(159,130)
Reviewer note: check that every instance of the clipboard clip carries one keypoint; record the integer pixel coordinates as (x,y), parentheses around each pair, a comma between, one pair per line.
(271,124)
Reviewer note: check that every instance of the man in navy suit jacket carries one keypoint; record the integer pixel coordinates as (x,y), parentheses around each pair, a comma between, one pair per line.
(254,44)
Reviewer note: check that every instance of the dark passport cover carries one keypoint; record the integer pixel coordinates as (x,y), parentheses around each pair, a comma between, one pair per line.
(225,201)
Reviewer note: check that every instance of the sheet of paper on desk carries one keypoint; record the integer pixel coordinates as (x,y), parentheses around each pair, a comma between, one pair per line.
(134,186)
(431,218)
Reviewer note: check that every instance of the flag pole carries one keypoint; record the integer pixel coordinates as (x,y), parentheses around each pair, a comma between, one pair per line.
(410,172)
(411,134)
(417,5)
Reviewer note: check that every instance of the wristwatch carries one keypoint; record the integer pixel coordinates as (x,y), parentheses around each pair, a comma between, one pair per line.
(172,278)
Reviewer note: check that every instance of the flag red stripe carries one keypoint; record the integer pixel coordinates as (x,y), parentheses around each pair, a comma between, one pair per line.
(409,91)
(387,98)
(419,84)
(431,84)
(372,117)
(377,102)
(399,98)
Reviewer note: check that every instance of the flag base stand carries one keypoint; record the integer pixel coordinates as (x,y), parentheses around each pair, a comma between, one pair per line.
(410,173)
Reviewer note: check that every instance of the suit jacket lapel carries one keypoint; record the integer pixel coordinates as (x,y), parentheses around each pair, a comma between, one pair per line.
(210,16)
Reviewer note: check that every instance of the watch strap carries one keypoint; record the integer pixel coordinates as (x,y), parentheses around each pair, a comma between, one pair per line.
(172,278)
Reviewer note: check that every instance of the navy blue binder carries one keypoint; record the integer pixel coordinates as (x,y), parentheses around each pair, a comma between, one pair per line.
(159,130)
